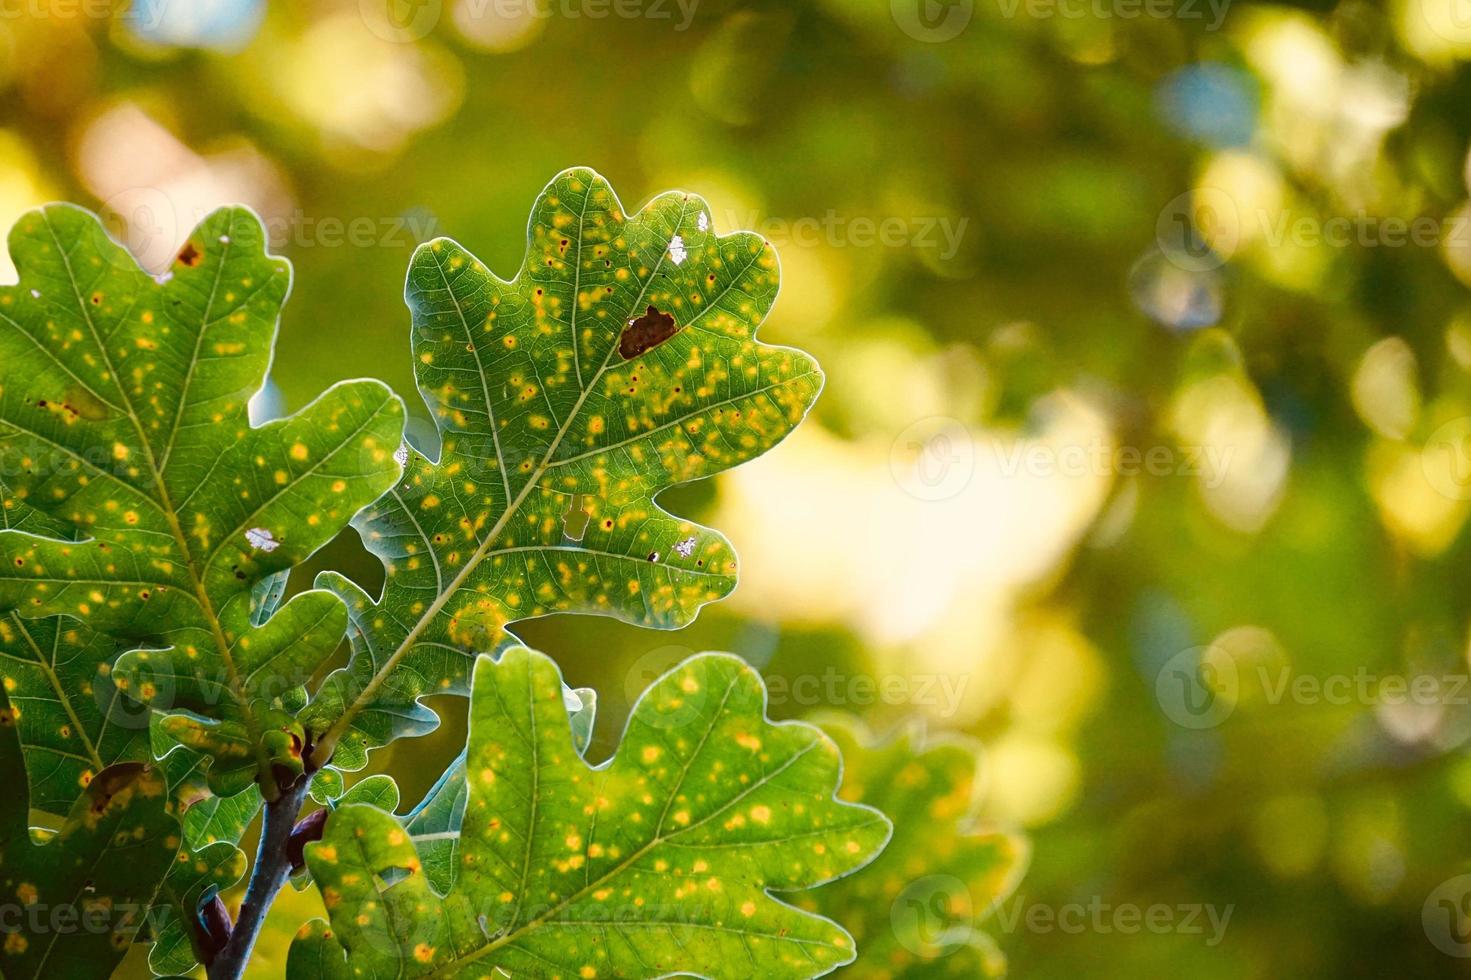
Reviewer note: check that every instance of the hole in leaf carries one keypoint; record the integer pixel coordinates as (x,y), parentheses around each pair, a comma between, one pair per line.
(646,333)
(575,521)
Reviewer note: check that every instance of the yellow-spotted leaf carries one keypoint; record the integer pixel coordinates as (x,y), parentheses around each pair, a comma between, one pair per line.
(74,903)
(210,858)
(73,721)
(57,673)
(619,361)
(123,417)
(920,910)
(435,823)
(663,860)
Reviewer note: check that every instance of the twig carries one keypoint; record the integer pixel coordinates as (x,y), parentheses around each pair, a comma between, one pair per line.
(272,867)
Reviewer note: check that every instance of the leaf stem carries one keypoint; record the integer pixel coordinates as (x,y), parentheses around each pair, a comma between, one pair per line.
(272,867)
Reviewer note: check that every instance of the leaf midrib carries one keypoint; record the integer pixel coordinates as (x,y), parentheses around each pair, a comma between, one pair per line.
(624,865)
(49,669)
(370,690)
(166,506)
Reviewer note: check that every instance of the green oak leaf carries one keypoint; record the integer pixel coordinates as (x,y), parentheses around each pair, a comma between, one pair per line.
(123,416)
(918,910)
(57,671)
(662,860)
(434,824)
(77,900)
(620,361)
(73,723)
(378,790)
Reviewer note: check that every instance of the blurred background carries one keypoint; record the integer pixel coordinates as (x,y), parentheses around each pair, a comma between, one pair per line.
(1145,452)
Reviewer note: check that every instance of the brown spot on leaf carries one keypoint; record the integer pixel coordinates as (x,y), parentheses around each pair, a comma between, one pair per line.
(112,781)
(190,255)
(646,333)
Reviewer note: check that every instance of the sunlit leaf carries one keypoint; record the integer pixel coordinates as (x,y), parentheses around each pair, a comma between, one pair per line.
(73,723)
(57,671)
(658,862)
(123,417)
(919,910)
(435,823)
(619,361)
(380,791)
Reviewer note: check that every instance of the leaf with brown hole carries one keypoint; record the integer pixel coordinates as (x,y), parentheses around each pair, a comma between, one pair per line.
(539,410)
(645,333)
